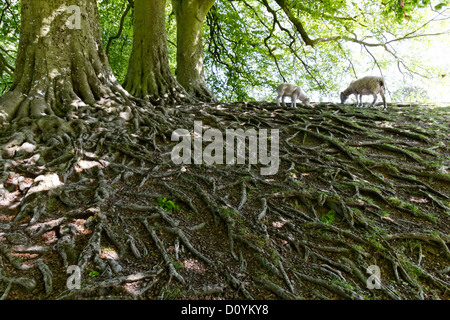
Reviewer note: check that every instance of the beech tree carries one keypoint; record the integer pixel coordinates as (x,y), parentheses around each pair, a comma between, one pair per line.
(65,107)
(190,16)
(61,64)
(149,75)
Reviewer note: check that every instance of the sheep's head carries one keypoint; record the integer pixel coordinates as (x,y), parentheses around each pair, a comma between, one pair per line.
(344,97)
(306,102)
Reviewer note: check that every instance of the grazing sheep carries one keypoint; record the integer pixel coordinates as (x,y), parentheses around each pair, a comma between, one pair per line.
(293,91)
(370,85)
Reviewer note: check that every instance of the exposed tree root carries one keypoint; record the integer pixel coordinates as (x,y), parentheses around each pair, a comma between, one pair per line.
(105,196)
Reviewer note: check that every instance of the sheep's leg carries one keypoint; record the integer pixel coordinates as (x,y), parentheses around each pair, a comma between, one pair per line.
(282,101)
(294,101)
(374,99)
(384,100)
(278,100)
(360,101)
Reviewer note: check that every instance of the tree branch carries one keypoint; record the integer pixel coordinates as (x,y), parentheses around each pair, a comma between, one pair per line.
(119,32)
(5,66)
(297,23)
(312,42)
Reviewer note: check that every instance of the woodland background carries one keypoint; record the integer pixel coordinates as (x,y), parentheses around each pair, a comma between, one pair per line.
(86,178)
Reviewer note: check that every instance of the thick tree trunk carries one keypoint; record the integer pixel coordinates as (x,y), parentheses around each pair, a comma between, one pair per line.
(190,15)
(149,75)
(61,65)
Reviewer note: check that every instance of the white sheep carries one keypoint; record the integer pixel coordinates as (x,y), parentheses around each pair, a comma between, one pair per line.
(370,85)
(293,91)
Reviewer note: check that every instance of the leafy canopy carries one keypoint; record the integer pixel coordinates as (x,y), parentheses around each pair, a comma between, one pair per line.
(250,46)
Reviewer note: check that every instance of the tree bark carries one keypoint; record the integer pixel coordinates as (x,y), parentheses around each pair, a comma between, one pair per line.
(61,65)
(149,76)
(190,15)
